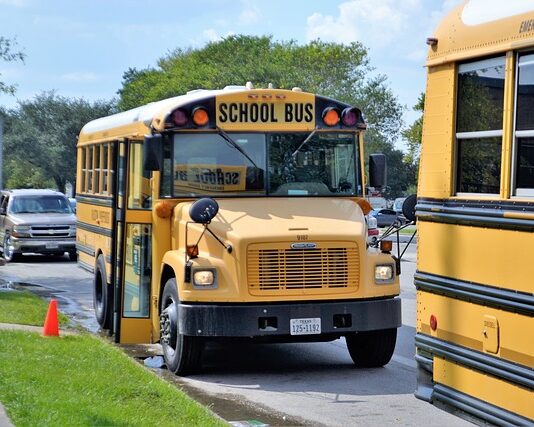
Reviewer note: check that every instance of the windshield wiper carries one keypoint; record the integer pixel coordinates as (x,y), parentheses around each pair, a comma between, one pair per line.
(235,145)
(304,142)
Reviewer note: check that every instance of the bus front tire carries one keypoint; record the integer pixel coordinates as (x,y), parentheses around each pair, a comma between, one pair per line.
(102,296)
(372,349)
(182,353)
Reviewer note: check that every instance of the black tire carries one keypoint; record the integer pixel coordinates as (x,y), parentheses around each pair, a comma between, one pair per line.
(102,295)
(372,349)
(9,254)
(182,353)
(73,256)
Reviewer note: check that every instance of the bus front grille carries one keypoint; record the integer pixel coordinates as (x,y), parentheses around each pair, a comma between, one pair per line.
(303,271)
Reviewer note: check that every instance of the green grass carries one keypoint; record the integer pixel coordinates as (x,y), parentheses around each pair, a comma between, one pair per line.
(80,380)
(24,308)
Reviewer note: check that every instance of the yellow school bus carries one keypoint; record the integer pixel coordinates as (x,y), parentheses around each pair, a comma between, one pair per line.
(234,213)
(475,215)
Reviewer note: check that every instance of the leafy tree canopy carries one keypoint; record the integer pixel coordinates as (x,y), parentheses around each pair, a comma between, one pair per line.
(414,133)
(336,70)
(8,53)
(40,139)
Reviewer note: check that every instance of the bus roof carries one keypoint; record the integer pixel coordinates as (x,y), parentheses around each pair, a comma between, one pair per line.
(139,121)
(480,27)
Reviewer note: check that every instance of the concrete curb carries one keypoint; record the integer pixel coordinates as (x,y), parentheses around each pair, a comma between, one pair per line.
(29,328)
(4,419)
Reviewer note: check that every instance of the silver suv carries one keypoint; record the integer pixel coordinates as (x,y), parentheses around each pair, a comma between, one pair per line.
(37,221)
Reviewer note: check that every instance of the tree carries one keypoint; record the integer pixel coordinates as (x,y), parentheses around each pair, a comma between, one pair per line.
(8,54)
(40,139)
(413,135)
(339,71)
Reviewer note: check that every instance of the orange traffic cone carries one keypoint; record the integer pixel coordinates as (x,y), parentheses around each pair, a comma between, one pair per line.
(51,325)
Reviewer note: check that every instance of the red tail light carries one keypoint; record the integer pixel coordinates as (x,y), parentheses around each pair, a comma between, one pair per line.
(179,117)
(349,116)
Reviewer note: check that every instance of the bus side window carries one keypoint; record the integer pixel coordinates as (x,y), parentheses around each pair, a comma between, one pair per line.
(137,270)
(138,180)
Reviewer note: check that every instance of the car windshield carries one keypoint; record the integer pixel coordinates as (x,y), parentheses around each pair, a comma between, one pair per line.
(278,164)
(40,204)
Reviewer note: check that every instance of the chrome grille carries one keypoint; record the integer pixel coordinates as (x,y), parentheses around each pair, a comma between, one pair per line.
(47,231)
(328,268)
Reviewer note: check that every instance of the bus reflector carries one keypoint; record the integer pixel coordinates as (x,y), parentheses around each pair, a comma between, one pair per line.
(364,205)
(386,246)
(200,116)
(192,251)
(433,322)
(349,116)
(179,117)
(331,116)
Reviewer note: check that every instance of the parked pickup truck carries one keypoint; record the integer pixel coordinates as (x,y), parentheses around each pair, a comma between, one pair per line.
(36,221)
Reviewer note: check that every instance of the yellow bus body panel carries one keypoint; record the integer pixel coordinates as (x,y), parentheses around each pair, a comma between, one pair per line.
(435,176)
(244,224)
(493,257)
(92,242)
(466,324)
(489,389)
(457,41)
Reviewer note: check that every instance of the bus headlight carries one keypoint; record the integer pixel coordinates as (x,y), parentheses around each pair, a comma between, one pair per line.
(384,273)
(204,278)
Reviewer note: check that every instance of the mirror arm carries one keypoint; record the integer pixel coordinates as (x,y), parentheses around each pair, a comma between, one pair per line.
(227,247)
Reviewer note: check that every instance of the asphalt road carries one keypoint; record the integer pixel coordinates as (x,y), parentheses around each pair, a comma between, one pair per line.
(292,384)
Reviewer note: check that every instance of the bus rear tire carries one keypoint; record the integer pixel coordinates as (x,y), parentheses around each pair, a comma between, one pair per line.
(182,353)
(102,295)
(372,349)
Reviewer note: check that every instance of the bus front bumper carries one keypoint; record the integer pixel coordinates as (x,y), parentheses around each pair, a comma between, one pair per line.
(263,320)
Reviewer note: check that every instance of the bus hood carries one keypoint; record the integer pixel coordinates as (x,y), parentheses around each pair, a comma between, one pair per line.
(264,220)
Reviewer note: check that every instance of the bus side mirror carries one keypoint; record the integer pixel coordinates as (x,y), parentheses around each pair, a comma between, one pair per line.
(408,207)
(203,210)
(377,170)
(152,152)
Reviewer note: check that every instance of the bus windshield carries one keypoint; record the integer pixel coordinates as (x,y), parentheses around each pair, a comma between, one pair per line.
(277,164)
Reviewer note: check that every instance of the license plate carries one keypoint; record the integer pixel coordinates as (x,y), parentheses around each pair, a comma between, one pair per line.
(51,246)
(305,326)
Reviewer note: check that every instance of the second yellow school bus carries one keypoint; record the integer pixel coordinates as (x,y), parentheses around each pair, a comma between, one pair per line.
(234,213)
(475,210)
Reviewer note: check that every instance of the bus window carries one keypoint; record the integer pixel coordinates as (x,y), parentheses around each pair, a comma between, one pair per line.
(139,180)
(479,126)
(524,141)
(137,271)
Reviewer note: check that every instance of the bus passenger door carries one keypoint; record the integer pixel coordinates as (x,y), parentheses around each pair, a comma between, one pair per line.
(135,261)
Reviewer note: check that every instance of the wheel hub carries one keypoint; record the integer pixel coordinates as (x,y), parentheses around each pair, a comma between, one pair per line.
(168,326)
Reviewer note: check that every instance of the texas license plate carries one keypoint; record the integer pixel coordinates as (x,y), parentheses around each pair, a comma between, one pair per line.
(305,326)
(52,246)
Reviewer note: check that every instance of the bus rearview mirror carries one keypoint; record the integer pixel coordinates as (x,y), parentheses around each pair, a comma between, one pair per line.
(408,207)
(377,170)
(203,210)
(152,152)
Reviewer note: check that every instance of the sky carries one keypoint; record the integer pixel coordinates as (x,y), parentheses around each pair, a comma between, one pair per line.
(80,49)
